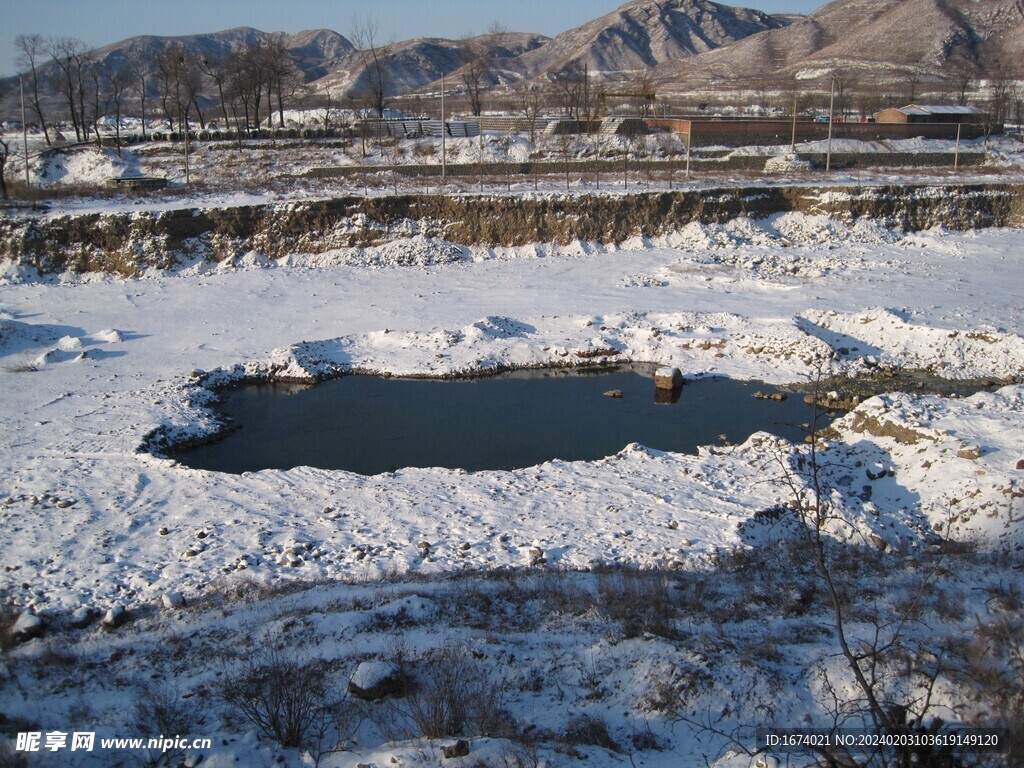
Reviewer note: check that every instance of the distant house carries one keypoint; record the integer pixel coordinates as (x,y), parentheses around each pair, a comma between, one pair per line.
(930,113)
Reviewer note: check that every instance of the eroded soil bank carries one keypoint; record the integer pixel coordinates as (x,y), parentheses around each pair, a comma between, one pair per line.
(127,243)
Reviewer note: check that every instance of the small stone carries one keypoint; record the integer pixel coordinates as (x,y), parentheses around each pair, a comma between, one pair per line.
(64,503)
(163,531)
(423,546)
(879,543)
(616,393)
(201,534)
(115,617)
(1020,464)
(172,600)
(971,452)
(459,749)
(82,617)
(465,546)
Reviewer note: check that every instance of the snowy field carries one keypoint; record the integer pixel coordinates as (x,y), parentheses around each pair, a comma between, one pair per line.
(204,563)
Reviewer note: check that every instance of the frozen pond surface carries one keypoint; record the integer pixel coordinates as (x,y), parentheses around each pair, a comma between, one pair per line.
(369,425)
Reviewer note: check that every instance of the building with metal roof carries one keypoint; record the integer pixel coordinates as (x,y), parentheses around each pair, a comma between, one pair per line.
(930,113)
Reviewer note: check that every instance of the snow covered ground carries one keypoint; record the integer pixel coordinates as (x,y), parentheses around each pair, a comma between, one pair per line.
(91,366)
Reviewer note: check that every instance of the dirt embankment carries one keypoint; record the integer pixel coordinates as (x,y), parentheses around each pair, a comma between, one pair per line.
(128,243)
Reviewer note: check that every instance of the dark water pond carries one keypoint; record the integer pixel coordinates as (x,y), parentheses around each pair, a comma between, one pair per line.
(368,425)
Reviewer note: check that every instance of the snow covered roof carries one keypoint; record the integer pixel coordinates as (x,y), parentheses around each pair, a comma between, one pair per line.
(938,109)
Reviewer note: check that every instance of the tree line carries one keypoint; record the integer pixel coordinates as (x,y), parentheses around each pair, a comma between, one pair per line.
(248,84)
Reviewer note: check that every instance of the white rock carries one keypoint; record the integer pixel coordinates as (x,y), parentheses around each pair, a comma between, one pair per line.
(171,600)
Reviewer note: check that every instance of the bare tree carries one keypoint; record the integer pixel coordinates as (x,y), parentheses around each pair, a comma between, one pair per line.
(476,57)
(374,58)
(244,84)
(568,85)
(893,677)
(282,76)
(913,83)
(962,72)
(5,156)
(137,67)
(31,48)
(181,81)
(530,104)
(218,69)
(1002,91)
(167,81)
(845,84)
(644,95)
(118,79)
(69,56)
(95,76)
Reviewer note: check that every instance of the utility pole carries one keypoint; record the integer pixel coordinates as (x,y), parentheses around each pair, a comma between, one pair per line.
(831,108)
(444,130)
(955,152)
(792,138)
(24,131)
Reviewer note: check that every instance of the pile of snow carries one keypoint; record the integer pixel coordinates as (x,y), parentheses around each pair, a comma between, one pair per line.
(85,166)
(787,163)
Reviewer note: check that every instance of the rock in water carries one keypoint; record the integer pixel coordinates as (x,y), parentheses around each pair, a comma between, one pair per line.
(668,378)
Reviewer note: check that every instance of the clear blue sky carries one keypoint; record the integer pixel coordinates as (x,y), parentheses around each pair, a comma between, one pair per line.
(100,22)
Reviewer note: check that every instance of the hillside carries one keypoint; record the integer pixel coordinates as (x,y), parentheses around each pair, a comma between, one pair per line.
(877,40)
(645,33)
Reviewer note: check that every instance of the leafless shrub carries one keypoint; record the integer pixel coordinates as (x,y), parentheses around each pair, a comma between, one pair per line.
(520,754)
(424,149)
(561,594)
(638,600)
(588,730)
(990,668)
(161,709)
(673,686)
(453,694)
(285,698)
(647,741)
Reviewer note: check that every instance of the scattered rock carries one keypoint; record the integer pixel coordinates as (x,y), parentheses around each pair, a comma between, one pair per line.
(376,679)
(27,627)
(172,600)
(1020,464)
(972,452)
(459,749)
(115,617)
(878,473)
(879,543)
(82,617)
(616,393)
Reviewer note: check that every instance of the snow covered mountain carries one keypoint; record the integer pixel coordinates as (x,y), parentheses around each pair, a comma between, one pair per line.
(645,33)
